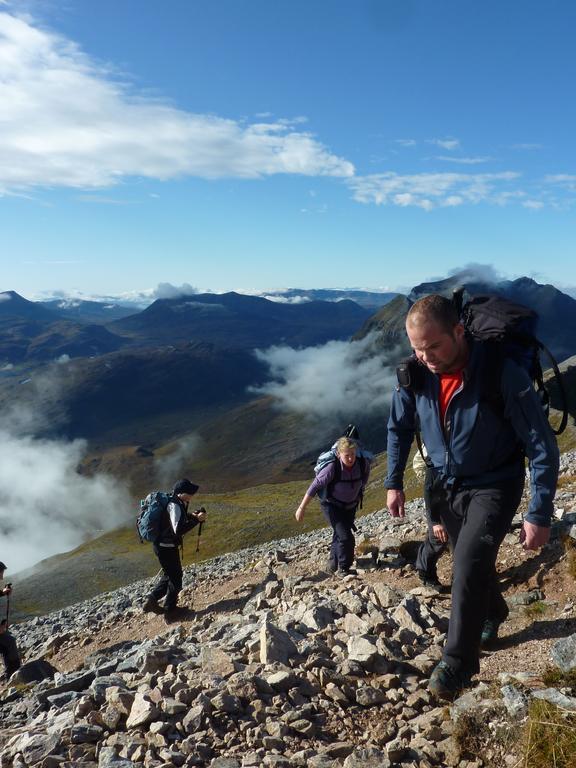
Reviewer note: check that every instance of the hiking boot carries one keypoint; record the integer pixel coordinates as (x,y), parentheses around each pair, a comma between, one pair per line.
(331,565)
(151,605)
(489,637)
(343,572)
(431,580)
(446,682)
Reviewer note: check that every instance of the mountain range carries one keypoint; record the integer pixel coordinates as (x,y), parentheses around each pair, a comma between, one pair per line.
(137,386)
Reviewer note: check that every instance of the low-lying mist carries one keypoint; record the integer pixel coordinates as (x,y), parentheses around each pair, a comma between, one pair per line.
(339,379)
(46,505)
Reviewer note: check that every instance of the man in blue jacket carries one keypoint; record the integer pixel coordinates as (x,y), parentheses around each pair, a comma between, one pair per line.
(476,455)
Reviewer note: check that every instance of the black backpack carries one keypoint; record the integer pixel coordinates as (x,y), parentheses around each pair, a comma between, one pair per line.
(507,330)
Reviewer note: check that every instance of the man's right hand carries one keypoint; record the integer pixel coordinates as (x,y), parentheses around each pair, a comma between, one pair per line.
(395,503)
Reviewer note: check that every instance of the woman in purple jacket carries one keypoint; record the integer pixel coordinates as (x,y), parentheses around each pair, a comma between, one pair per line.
(340,486)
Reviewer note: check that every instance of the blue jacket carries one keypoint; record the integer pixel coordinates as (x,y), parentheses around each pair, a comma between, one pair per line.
(477,446)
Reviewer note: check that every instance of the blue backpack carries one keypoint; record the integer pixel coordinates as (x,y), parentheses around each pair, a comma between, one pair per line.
(152,514)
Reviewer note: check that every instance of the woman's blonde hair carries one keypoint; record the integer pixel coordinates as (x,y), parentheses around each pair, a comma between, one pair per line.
(346,444)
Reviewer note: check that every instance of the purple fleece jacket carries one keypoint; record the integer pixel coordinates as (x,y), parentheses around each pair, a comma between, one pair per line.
(346,493)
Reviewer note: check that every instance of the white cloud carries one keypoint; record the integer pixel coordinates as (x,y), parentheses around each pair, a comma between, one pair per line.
(430,190)
(445,143)
(339,378)
(45,505)
(169,291)
(66,120)
(406,142)
(140,299)
(527,146)
(463,160)
(484,273)
(279,299)
(170,466)
(535,205)
(562,180)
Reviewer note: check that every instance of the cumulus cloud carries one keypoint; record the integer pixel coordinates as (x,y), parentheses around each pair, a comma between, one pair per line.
(46,505)
(96,130)
(485,273)
(431,190)
(338,379)
(169,291)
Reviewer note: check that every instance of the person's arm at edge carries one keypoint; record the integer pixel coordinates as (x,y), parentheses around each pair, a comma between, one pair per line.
(401,429)
(324,477)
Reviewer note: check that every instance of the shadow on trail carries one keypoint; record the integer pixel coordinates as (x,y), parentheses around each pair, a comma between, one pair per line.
(531,567)
(539,630)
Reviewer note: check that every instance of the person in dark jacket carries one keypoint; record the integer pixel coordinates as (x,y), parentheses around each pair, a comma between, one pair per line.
(177,522)
(477,458)
(8,648)
(342,487)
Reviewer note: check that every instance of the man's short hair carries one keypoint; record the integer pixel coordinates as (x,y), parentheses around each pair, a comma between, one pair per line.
(436,308)
(2,566)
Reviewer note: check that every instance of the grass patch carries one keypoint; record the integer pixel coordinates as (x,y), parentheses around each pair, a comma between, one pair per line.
(535,610)
(570,550)
(470,733)
(476,735)
(550,737)
(556,678)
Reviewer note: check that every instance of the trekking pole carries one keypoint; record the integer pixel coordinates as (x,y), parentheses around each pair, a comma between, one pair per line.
(7,609)
(195,564)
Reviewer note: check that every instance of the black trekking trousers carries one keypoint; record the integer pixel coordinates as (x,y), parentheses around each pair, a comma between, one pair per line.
(431,548)
(342,522)
(477,519)
(170,582)
(9,652)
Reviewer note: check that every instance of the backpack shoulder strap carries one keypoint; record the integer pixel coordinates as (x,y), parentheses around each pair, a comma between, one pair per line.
(491,388)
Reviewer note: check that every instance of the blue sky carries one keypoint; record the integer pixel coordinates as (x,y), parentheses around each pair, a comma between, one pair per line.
(260,144)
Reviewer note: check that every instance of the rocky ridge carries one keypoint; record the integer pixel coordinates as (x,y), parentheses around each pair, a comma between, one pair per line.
(281,663)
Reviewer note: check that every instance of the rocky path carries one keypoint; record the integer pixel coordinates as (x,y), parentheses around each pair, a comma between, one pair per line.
(279,663)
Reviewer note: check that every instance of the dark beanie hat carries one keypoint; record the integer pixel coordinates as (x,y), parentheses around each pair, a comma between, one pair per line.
(185,486)
(2,566)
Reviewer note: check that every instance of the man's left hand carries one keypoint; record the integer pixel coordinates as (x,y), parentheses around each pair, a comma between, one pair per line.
(534,536)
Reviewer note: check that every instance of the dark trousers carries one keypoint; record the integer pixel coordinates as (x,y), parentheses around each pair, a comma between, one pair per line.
(342,522)
(477,520)
(9,653)
(170,582)
(431,549)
